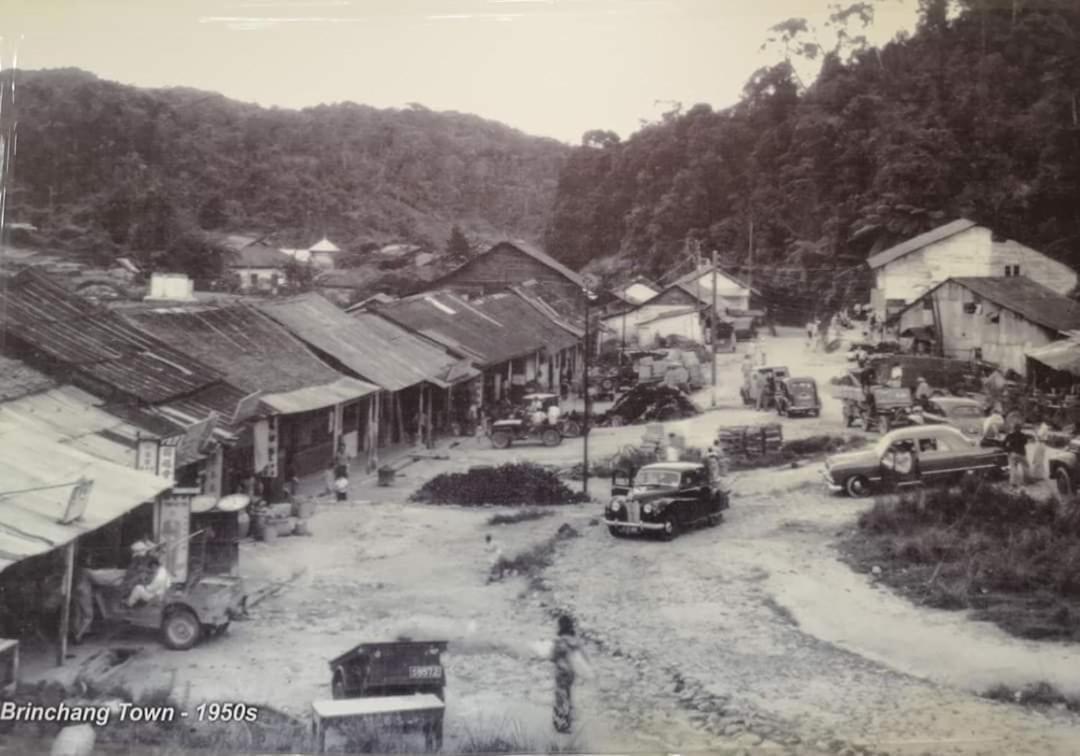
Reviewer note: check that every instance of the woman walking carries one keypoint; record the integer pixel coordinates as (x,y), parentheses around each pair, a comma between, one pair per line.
(569,660)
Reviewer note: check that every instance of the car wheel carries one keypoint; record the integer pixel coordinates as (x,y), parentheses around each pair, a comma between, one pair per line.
(616,531)
(180,630)
(551,437)
(500,439)
(1062,480)
(671,528)
(572,429)
(883,425)
(857,486)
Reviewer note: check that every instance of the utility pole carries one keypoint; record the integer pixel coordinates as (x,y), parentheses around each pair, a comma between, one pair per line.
(712,325)
(750,266)
(585,386)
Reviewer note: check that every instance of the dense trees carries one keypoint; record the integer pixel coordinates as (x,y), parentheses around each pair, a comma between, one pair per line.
(106,169)
(975,116)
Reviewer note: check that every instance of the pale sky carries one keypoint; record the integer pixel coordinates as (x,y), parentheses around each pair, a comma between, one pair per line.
(548,67)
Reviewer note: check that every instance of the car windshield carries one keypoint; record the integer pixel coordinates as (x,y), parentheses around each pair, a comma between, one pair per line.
(667,478)
(965,411)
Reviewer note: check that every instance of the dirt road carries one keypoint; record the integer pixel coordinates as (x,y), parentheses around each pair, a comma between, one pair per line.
(750,635)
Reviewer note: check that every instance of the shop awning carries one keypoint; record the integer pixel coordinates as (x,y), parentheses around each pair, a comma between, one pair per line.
(30,520)
(344,389)
(1059,355)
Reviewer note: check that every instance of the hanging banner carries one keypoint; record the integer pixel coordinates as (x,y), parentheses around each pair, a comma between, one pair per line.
(167,462)
(175,526)
(266,441)
(80,497)
(147,456)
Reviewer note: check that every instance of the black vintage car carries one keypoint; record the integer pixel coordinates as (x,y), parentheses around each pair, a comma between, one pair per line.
(664,498)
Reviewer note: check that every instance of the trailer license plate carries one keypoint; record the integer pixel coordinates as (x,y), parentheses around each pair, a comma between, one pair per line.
(425,673)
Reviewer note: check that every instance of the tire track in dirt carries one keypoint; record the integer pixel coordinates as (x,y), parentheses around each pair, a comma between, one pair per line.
(713,648)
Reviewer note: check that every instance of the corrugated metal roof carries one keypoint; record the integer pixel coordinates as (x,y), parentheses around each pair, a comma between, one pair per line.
(495,329)
(253,351)
(258,255)
(19,379)
(76,332)
(672,314)
(344,389)
(1028,299)
(918,242)
(381,352)
(29,521)
(76,420)
(1060,355)
(544,258)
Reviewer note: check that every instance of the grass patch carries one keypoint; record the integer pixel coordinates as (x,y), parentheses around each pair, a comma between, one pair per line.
(1037,695)
(534,560)
(1010,559)
(505,485)
(525,515)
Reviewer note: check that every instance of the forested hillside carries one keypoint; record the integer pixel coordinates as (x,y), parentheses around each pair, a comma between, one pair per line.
(972,116)
(106,169)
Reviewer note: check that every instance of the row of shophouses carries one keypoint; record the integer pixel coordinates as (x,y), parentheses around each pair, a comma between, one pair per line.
(113,420)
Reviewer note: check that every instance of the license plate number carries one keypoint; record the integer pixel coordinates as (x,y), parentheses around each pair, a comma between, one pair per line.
(425,673)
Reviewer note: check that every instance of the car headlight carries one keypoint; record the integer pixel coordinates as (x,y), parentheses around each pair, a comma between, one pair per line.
(647,509)
(615,505)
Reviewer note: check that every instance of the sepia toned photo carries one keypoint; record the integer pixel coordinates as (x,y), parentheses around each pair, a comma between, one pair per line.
(539,377)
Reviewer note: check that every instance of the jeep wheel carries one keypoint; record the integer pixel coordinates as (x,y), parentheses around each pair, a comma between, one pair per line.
(571,429)
(671,528)
(500,439)
(857,486)
(1062,480)
(551,437)
(180,630)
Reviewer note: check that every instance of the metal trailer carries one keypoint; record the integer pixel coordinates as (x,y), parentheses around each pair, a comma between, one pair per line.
(400,684)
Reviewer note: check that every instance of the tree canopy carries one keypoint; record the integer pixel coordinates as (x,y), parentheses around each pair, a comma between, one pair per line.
(974,117)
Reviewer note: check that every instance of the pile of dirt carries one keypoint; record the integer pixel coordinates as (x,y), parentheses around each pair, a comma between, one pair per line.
(1011,559)
(647,402)
(506,485)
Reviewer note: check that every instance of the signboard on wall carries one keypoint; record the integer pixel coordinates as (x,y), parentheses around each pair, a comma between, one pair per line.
(167,462)
(266,447)
(175,527)
(146,457)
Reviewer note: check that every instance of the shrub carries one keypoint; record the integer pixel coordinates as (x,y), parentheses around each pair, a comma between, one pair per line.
(506,485)
(1013,559)
(524,515)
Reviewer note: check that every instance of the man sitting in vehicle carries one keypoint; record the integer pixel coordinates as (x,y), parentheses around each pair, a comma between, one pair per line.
(146,578)
(553,414)
(536,413)
(923,393)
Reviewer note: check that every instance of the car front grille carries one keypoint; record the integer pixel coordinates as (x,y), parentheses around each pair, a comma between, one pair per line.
(633,511)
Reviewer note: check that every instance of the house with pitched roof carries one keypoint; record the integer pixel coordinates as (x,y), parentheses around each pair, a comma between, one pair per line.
(309,405)
(506,264)
(997,319)
(259,267)
(961,248)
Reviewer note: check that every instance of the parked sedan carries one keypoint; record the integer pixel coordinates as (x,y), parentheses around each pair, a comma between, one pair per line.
(921,454)
(663,499)
(964,414)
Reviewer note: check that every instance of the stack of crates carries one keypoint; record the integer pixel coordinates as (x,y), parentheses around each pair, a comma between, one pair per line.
(653,438)
(750,440)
